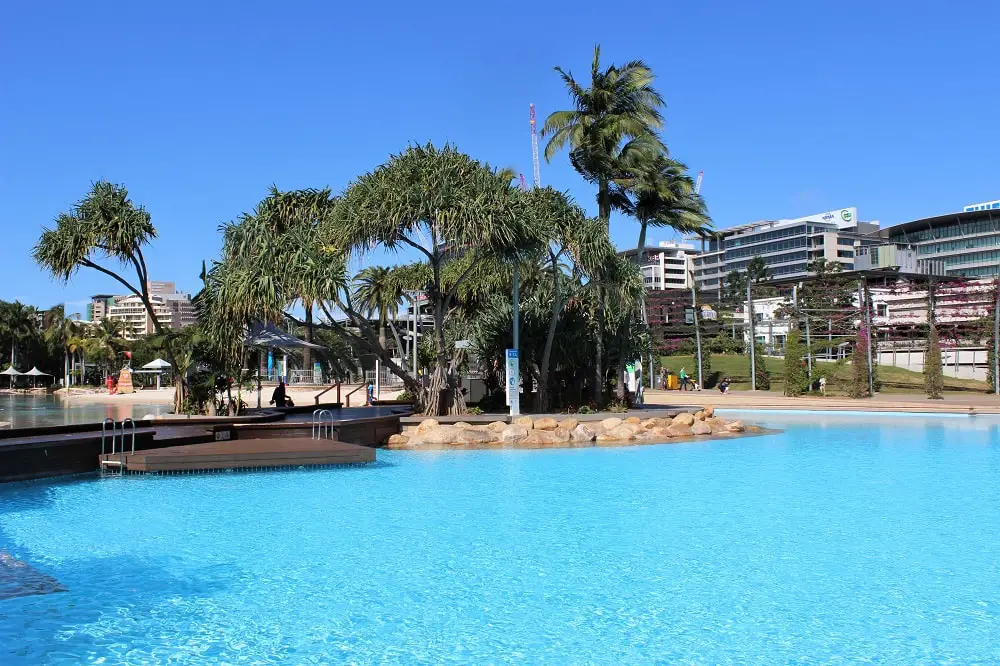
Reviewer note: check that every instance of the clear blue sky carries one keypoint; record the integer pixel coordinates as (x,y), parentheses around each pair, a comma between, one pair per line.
(789,108)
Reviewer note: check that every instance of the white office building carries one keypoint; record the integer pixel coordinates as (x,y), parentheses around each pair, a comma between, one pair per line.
(665,265)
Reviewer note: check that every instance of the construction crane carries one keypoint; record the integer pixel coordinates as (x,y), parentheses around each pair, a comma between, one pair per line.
(697,184)
(534,145)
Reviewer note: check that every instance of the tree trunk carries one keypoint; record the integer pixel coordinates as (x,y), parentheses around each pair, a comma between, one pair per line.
(66,377)
(642,242)
(544,393)
(620,387)
(599,353)
(307,352)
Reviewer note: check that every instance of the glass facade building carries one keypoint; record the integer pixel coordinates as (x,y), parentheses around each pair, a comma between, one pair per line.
(967,243)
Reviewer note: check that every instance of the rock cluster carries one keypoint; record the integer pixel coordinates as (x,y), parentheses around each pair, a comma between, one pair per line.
(526,432)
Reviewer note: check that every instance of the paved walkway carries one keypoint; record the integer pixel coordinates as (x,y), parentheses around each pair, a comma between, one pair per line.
(953,403)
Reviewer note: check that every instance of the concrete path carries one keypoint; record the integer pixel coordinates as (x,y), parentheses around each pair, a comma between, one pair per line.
(953,403)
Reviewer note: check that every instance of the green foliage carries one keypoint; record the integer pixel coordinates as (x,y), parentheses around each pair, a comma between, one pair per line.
(706,366)
(405,396)
(475,411)
(859,367)
(796,377)
(724,343)
(763,376)
(617,406)
(584,409)
(933,371)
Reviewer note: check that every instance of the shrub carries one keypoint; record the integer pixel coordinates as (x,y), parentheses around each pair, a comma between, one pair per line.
(763,376)
(405,396)
(796,378)
(933,372)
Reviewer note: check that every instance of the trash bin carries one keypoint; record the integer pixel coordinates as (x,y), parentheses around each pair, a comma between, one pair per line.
(673,382)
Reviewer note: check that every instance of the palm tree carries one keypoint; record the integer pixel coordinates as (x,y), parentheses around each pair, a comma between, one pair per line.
(659,192)
(612,121)
(378,290)
(18,324)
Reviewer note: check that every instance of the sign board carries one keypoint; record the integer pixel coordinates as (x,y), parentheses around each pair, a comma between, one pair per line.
(317,373)
(844,217)
(513,382)
(463,344)
(688,315)
(125,382)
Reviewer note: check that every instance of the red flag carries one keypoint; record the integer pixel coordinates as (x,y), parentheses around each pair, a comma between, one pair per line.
(128,355)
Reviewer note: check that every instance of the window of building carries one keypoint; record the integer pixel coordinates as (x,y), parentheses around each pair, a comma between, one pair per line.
(882,309)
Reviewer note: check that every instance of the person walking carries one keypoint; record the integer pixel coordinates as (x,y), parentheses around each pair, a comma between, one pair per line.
(684,379)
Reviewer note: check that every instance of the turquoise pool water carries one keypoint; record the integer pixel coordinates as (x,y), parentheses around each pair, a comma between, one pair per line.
(844,539)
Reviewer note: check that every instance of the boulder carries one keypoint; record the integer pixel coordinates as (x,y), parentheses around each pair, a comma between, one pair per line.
(513,434)
(427,424)
(613,422)
(677,430)
(497,426)
(546,423)
(717,424)
(709,410)
(397,441)
(569,424)
(699,416)
(622,432)
(649,424)
(634,420)
(661,432)
(701,428)
(583,433)
(683,419)
(470,436)
(736,426)
(524,421)
(462,424)
(540,438)
(562,434)
(440,436)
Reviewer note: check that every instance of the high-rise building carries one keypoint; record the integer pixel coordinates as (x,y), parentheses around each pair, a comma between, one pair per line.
(786,246)
(665,266)
(173,309)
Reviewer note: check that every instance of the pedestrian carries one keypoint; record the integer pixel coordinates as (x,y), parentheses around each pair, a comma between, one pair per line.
(822,386)
(663,378)
(370,394)
(684,379)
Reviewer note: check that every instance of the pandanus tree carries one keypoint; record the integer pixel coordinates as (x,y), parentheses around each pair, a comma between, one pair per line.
(106,232)
(452,211)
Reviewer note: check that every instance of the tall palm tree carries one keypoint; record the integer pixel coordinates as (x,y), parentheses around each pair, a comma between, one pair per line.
(378,290)
(659,192)
(19,325)
(58,331)
(615,118)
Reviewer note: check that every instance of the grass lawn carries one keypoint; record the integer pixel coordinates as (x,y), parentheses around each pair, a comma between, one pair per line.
(839,375)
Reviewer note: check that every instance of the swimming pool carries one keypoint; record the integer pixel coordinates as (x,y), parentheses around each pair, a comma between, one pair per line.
(843,539)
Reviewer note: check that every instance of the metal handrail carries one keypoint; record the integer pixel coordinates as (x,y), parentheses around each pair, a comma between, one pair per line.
(348,396)
(114,434)
(121,456)
(322,424)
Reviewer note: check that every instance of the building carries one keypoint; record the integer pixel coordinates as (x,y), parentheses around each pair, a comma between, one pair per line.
(967,243)
(173,309)
(892,256)
(671,318)
(786,246)
(665,266)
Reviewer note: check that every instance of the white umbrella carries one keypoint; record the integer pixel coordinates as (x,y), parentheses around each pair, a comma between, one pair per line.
(157,364)
(11,372)
(35,372)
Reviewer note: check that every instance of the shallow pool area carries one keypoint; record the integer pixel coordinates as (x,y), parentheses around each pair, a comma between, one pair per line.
(845,538)
(44,409)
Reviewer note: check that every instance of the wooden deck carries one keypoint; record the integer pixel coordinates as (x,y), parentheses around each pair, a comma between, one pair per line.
(242,454)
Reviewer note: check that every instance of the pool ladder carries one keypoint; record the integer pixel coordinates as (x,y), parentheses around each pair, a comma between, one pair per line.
(322,424)
(108,464)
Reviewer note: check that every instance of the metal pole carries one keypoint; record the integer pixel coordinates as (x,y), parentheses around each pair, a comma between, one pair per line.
(413,342)
(697,334)
(753,340)
(809,355)
(517,310)
(996,342)
(862,300)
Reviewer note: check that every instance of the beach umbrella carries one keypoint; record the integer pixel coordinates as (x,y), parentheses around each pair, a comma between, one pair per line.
(11,372)
(35,372)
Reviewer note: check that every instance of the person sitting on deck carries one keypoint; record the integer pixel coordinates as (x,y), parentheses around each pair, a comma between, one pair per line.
(278,398)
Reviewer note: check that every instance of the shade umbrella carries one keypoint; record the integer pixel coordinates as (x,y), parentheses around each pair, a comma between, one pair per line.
(269,336)
(11,372)
(35,372)
(157,364)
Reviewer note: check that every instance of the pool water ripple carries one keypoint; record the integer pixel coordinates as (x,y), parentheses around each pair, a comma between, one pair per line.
(842,539)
